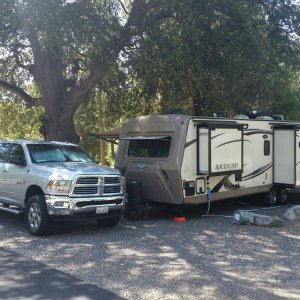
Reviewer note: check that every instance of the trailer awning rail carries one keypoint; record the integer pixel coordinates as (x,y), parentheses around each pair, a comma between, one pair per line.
(110,136)
(221,124)
(285,126)
(145,137)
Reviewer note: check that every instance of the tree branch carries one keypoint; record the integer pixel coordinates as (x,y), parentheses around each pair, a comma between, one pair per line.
(123,7)
(138,12)
(30,101)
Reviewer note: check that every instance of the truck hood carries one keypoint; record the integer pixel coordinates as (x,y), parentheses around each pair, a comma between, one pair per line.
(68,170)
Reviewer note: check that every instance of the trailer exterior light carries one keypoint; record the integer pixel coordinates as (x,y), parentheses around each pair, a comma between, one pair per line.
(189,187)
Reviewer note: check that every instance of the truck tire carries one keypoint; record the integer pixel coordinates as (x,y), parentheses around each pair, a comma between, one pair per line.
(36,216)
(111,222)
(271,198)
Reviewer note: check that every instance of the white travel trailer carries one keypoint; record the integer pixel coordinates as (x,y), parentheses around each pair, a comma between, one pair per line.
(191,160)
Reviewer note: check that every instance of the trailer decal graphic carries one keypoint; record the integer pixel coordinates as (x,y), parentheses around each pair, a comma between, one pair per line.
(228,185)
(233,141)
(227,167)
(190,143)
(166,176)
(218,186)
(257,172)
(257,131)
(213,137)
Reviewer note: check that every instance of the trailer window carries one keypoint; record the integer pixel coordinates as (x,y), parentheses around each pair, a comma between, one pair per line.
(150,147)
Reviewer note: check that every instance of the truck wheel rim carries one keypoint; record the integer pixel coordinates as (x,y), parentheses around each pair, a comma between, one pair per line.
(34,216)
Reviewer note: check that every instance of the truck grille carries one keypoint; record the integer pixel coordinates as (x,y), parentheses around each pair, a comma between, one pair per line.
(97,186)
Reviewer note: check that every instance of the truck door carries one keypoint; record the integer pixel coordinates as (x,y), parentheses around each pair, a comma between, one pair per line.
(3,153)
(14,175)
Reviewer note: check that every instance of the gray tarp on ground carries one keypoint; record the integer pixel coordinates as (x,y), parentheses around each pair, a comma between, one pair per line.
(248,218)
(293,213)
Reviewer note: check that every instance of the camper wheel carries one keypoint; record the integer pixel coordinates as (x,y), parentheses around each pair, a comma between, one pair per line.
(282,195)
(271,198)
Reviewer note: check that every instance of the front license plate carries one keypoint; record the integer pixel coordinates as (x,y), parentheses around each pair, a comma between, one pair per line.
(102,210)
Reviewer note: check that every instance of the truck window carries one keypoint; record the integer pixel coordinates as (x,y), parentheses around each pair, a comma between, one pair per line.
(3,150)
(150,148)
(16,154)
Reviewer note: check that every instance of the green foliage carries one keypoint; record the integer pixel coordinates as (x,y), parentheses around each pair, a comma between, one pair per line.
(200,56)
(287,101)
(77,35)
(219,55)
(19,122)
(95,117)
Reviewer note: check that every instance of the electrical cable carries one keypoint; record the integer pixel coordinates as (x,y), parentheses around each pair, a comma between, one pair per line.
(221,216)
(208,199)
(209,205)
(244,203)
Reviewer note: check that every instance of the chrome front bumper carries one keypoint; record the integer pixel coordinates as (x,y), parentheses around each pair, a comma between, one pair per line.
(66,206)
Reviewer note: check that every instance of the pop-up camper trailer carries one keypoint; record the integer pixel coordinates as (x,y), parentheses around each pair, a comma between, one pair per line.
(182,159)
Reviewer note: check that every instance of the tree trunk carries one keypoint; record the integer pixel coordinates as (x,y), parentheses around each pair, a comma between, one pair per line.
(57,121)
(58,124)
(112,148)
(102,152)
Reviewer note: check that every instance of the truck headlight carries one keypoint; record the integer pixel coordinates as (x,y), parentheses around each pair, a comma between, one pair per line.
(62,186)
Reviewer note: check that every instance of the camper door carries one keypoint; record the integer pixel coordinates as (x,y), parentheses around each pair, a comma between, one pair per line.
(287,155)
(220,148)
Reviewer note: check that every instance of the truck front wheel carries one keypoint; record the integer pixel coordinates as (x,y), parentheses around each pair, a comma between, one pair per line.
(111,222)
(36,216)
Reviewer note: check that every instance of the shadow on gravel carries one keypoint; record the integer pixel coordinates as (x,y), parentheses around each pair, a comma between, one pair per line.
(22,278)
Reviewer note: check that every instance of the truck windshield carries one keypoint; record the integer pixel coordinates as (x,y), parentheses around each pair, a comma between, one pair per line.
(41,153)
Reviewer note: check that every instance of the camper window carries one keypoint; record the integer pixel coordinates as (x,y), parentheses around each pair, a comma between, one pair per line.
(159,147)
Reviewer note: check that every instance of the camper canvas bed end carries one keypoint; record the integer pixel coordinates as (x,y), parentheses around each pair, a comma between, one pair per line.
(183,159)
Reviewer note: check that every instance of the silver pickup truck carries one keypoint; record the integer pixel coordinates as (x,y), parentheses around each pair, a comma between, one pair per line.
(51,180)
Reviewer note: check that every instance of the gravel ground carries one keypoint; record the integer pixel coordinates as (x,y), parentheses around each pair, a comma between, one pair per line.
(202,258)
